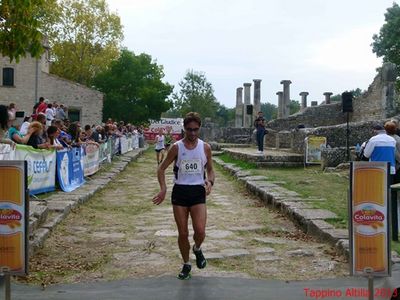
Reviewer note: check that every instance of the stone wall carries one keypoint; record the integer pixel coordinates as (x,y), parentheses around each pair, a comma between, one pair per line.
(378,102)
(336,135)
(312,116)
(54,88)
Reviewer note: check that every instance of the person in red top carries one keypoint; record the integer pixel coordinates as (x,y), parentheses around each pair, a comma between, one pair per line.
(42,106)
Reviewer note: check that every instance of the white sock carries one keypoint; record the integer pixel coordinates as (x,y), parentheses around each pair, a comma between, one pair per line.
(195,248)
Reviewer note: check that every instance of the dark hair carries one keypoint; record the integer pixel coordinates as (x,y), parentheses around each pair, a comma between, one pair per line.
(73,130)
(3,117)
(41,99)
(87,127)
(51,130)
(40,117)
(192,117)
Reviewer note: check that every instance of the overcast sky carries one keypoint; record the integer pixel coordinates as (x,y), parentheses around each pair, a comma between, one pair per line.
(320,45)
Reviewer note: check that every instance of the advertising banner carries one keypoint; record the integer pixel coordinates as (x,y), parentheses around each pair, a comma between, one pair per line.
(135,141)
(91,162)
(314,146)
(41,166)
(124,144)
(70,169)
(14,218)
(105,152)
(173,124)
(369,219)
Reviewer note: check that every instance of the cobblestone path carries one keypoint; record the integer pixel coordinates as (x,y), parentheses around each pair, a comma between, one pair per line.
(121,234)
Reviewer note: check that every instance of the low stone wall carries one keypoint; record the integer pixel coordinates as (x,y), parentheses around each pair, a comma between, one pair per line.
(313,116)
(332,157)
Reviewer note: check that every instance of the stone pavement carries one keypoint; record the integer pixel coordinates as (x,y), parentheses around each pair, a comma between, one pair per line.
(244,239)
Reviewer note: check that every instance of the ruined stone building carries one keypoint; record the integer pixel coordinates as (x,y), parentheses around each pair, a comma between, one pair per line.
(378,104)
(24,82)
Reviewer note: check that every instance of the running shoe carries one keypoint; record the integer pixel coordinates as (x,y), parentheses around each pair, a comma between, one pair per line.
(201,261)
(185,273)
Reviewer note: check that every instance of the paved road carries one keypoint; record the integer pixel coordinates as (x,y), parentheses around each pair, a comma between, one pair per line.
(207,288)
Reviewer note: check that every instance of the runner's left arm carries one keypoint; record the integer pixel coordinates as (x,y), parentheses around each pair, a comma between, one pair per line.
(209,169)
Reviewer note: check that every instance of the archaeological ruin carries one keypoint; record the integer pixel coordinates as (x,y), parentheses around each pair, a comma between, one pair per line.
(377,105)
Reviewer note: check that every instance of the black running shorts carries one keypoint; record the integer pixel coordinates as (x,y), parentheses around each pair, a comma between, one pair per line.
(188,195)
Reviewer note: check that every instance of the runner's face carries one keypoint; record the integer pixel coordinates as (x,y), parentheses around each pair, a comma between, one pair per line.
(192,131)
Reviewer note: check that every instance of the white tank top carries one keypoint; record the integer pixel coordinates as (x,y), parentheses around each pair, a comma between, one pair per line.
(190,164)
(159,142)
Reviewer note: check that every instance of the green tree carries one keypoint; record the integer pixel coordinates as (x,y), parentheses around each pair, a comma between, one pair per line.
(386,44)
(225,116)
(84,38)
(294,106)
(196,94)
(19,28)
(356,93)
(269,110)
(133,89)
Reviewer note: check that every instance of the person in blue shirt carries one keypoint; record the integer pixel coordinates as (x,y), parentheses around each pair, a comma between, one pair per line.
(381,147)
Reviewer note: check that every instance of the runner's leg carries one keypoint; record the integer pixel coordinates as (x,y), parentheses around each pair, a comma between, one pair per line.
(198,213)
(181,215)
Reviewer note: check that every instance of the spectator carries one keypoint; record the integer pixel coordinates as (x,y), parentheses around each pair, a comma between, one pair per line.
(25,125)
(381,147)
(60,113)
(36,140)
(41,118)
(53,133)
(4,126)
(17,137)
(42,106)
(64,138)
(35,107)
(11,113)
(49,114)
(74,131)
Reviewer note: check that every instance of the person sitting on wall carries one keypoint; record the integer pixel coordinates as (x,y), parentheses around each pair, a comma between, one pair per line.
(259,124)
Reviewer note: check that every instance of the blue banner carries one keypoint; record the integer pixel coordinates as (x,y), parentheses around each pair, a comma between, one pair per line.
(70,169)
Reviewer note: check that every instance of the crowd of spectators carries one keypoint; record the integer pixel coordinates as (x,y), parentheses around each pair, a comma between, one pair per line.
(49,128)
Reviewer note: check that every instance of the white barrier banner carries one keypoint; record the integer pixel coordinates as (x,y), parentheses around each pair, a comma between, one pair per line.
(91,159)
(6,153)
(124,144)
(41,168)
(135,141)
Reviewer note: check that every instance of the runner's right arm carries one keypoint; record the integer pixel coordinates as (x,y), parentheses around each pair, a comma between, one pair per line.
(171,156)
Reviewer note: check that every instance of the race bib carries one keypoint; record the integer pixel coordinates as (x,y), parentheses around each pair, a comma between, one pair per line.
(191,166)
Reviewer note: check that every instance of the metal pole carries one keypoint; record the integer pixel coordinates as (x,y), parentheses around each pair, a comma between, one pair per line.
(370,287)
(8,287)
(347,138)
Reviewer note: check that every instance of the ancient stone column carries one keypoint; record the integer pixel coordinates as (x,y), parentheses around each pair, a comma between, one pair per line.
(280,104)
(257,96)
(239,107)
(303,100)
(286,98)
(328,97)
(314,103)
(247,118)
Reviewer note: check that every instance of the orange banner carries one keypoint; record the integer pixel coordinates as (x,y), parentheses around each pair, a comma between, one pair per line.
(369,236)
(13,210)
